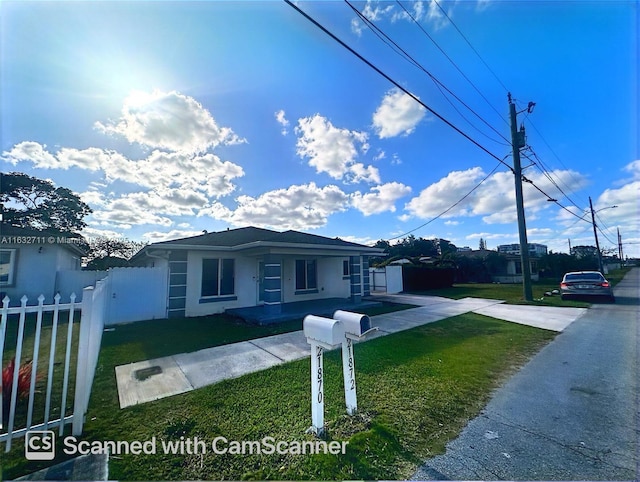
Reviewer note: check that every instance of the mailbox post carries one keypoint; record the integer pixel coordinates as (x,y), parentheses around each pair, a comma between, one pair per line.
(326,333)
(317,388)
(322,333)
(356,327)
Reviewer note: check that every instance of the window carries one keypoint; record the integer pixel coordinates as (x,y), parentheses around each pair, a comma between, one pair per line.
(7,266)
(218,277)
(345,268)
(306,274)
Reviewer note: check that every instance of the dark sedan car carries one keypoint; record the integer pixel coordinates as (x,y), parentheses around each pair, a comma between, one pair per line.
(585,283)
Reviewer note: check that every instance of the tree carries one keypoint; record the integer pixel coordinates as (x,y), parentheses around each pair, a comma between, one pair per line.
(483,244)
(108,253)
(32,203)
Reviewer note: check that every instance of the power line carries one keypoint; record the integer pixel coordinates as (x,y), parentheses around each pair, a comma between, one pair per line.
(452,206)
(395,83)
(451,60)
(549,198)
(552,151)
(606,237)
(409,58)
(505,88)
(547,169)
(547,174)
(604,225)
(469,44)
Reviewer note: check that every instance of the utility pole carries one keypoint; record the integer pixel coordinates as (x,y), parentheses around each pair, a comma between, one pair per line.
(620,249)
(595,233)
(517,142)
(569,239)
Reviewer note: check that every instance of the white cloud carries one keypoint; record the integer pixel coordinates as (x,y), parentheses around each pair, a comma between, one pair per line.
(304,206)
(157,236)
(374,12)
(486,236)
(333,150)
(122,214)
(367,241)
(398,114)
(89,232)
(494,199)
(357,26)
(282,120)
(359,172)
(33,152)
(633,168)
(169,121)
(442,194)
(380,198)
(435,15)
(92,159)
(627,213)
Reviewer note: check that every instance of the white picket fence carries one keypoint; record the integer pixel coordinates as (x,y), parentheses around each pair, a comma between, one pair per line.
(92,309)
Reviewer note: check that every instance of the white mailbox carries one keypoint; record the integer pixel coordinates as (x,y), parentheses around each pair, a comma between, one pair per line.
(325,332)
(356,325)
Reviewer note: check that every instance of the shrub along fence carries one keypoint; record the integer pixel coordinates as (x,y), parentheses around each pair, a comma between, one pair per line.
(418,278)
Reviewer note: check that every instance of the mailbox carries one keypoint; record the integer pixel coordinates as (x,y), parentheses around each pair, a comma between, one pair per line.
(356,325)
(324,332)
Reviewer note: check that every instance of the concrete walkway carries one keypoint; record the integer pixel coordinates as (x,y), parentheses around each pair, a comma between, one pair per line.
(154,379)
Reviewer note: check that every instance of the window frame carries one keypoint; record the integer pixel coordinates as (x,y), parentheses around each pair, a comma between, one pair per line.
(225,279)
(346,269)
(12,267)
(309,275)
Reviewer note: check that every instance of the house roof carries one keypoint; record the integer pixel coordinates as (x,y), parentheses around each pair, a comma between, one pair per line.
(250,236)
(70,241)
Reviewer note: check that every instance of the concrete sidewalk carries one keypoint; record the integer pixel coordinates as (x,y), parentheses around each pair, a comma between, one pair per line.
(154,379)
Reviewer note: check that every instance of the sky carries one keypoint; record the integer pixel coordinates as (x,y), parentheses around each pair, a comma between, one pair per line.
(169,118)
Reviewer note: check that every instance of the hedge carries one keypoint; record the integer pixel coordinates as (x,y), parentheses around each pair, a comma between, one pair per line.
(418,278)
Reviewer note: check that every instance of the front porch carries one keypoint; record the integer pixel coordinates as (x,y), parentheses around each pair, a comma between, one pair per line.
(263,315)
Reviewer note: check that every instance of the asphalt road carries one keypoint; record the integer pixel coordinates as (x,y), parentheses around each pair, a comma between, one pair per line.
(571,413)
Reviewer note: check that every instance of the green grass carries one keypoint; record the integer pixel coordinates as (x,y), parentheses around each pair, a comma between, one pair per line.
(412,400)
(42,371)
(512,293)
(131,342)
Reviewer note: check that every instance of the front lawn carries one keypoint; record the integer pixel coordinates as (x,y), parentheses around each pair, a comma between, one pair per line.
(416,390)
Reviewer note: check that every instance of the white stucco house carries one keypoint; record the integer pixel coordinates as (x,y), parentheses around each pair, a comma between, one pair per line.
(249,267)
(30,262)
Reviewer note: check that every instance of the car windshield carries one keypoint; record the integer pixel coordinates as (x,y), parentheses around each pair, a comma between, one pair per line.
(584,277)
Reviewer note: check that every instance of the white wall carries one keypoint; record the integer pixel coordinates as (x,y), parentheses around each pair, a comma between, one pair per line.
(330,280)
(246,283)
(74,281)
(329,271)
(394,279)
(135,294)
(387,279)
(35,272)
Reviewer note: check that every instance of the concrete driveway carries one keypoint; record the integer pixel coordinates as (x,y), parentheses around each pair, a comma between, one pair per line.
(154,379)
(571,413)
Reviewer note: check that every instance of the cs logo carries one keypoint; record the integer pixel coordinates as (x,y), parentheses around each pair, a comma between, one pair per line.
(40,445)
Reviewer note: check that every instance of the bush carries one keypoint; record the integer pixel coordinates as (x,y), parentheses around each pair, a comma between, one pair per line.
(24,383)
(418,278)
